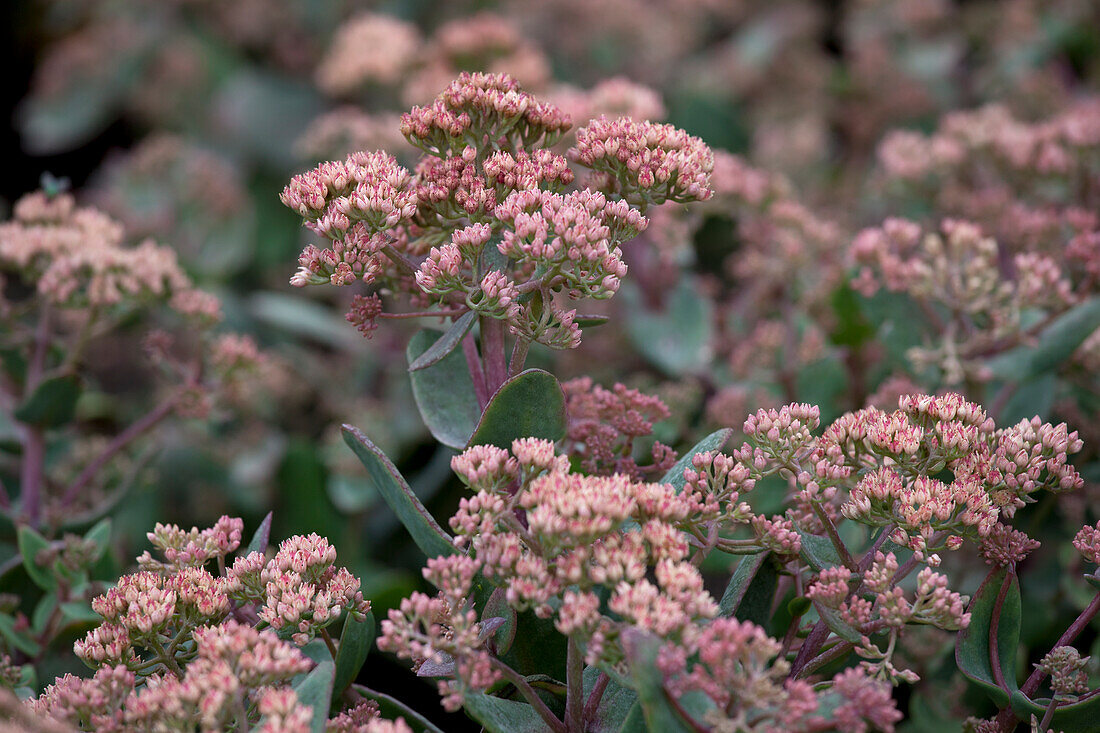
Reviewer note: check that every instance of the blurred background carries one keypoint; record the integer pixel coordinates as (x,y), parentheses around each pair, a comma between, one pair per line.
(184,119)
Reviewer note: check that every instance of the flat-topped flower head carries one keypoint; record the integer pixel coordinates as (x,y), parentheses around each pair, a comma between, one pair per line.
(646,162)
(485,107)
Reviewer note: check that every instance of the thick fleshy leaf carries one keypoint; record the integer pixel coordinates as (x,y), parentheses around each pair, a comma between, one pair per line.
(497,607)
(714,441)
(315,690)
(818,552)
(30,544)
(355,643)
(52,404)
(679,339)
(1078,716)
(441,346)
(444,391)
(641,654)
(751,589)
(301,317)
(100,535)
(392,708)
(1055,344)
(432,540)
(615,705)
(529,405)
(16,639)
(997,601)
(837,624)
(261,536)
(498,715)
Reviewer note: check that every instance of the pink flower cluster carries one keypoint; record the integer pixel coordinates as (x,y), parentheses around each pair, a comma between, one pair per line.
(234,669)
(604,423)
(300,591)
(738,667)
(648,162)
(76,257)
(553,540)
(494,105)
(193,548)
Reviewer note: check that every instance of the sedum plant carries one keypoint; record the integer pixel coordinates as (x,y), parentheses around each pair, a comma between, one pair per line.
(782,584)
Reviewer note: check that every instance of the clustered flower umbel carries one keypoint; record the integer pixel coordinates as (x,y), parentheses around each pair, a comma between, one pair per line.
(959,271)
(579,536)
(739,668)
(235,669)
(604,423)
(485,223)
(149,616)
(76,258)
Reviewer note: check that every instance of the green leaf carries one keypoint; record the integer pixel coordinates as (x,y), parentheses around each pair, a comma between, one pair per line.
(80,612)
(30,544)
(497,607)
(315,690)
(1055,345)
(853,328)
(714,441)
(498,715)
(23,643)
(443,345)
(425,531)
(677,340)
(301,317)
(1078,716)
(52,404)
(641,654)
(751,589)
(392,708)
(444,391)
(837,624)
(635,719)
(261,537)
(100,534)
(818,552)
(529,405)
(42,612)
(1032,398)
(355,643)
(973,652)
(615,705)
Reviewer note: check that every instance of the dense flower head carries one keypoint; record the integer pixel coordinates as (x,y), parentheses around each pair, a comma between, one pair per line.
(604,423)
(492,105)
(369,48)
(76,257)
(1067,669)
(192,548)
(646,161)
(96,701)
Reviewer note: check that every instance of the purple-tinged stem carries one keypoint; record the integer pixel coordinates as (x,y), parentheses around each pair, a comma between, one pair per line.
(120,441)
(492,354)
(595,697)
(473,363)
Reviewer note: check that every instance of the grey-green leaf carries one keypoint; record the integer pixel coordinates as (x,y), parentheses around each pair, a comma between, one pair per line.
(432,540)
(529,405)
(677,340)
(1055,345)
(498,715)
(52,404)
(443,345)
(444,391)
(30,544)
(355,643)
(751,589)
(315,690)
(260,538)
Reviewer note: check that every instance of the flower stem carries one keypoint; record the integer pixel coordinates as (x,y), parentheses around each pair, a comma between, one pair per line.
(574,691)
(530,696)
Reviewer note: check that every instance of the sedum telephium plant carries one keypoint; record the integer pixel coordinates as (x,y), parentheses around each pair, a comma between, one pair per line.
(183,646)
(485,224)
